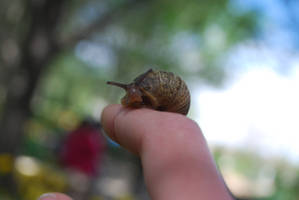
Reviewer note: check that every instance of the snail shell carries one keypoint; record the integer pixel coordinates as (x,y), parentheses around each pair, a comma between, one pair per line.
(158,90)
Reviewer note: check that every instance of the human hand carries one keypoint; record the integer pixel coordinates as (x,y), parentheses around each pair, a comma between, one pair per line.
(176,160)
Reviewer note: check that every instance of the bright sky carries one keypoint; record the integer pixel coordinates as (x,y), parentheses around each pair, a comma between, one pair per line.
(259,110)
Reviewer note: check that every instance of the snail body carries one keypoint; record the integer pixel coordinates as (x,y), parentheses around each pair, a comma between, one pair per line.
(158,90)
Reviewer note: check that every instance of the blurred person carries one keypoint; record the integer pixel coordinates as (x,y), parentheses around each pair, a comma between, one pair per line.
(175,157)
(81,154)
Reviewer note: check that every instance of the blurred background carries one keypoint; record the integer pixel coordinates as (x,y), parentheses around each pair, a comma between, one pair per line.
(240,59)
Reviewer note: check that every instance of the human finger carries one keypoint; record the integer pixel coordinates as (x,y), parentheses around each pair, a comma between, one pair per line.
(176,160)
(54,196)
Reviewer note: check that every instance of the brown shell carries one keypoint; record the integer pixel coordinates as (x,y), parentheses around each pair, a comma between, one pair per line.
(158,90)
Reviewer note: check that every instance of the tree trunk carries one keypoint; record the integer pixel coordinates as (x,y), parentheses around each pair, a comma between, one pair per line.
(37,50)
(17,110)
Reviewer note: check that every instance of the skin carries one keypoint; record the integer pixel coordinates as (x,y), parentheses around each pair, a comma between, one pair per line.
(176,160)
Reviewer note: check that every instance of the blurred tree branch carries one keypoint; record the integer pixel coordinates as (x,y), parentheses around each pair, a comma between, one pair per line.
(99,24)
(36,51)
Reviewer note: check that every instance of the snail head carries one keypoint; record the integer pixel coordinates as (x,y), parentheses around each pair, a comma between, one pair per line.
(133,97)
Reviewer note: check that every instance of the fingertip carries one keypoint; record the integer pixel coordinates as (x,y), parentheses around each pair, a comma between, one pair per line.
(131,128)
(54,196)
(107,119)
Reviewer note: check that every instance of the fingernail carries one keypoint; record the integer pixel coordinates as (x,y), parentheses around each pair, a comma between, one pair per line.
(47,196)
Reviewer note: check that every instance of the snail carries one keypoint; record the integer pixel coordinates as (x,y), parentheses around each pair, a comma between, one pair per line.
(157,90)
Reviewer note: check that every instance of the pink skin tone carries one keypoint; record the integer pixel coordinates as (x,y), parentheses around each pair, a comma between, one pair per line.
(176,160)
(56,196)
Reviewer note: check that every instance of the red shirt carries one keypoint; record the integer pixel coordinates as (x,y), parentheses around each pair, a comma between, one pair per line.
(83,150)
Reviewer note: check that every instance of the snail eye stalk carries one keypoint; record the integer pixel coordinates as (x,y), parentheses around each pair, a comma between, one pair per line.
(121,85)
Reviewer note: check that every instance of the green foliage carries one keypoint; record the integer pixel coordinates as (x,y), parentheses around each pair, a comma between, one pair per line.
(254,169)
(150,31)
(286,182)
(70,85)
